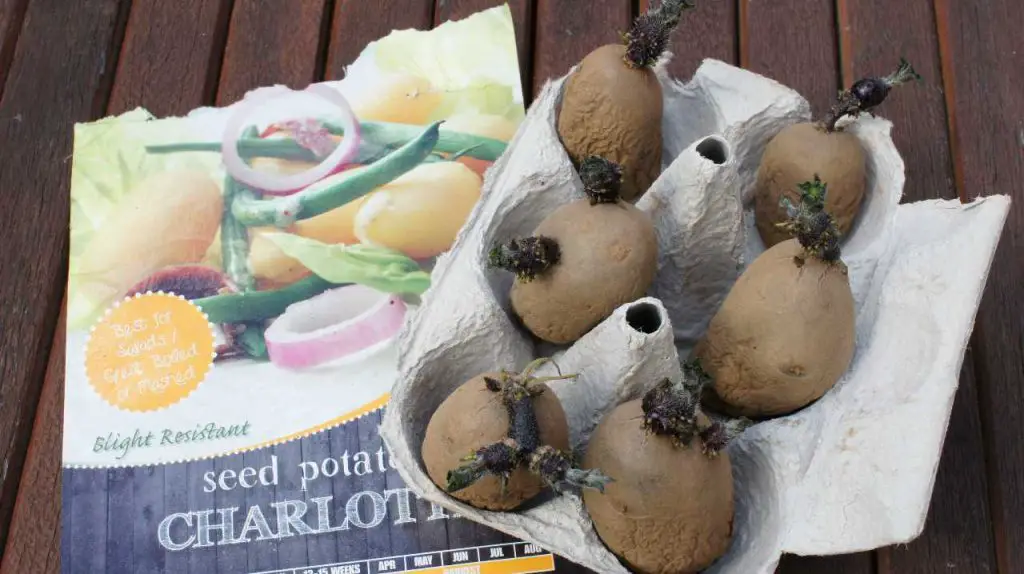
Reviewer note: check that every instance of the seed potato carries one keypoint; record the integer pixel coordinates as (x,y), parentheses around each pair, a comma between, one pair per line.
(785,332)
(473,417)
(583,260)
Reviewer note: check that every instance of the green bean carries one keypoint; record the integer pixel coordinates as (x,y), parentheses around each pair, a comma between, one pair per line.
(378,138)
(393,135)
(313,201)
(260,305)
(249,148)
(252,341)
(234,240)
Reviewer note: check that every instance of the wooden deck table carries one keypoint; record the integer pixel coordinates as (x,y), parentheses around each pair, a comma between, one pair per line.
(961,133)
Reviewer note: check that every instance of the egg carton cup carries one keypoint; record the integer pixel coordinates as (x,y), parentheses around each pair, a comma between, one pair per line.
(851,472)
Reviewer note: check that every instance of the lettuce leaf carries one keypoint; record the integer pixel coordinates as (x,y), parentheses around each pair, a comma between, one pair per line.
(381,268)
(474,61)
(109,160)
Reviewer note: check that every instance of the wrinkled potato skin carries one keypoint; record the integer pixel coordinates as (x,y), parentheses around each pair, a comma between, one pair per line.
(669,509)
(472,417)
(609,255)
(614,111)
(793,157)
(783,336)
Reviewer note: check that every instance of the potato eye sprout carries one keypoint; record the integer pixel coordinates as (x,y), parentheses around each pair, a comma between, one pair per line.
(785,333)
(670,508)
(647,39)
(612,104)
(584,259)
(672,409)
(526,257)
(501,438)
(812,226)
(522,445)
(868,93)
(602,180)
(824,148)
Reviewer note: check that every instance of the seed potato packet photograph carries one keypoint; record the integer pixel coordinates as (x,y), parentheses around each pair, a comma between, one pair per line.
(237,280)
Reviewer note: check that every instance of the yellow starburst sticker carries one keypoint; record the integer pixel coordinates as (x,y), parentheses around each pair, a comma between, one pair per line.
(149,351)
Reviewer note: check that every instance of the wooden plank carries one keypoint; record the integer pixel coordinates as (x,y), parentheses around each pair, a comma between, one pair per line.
(171,55)
(354,542)
(793,43)
(120,514)
(981,46)
(176,490)
(358,22)
(262,553)
(230,557)
(292,550)
(873,35)
(568,30)
(861,563)
(431,527)
(12,15)
(32,545)
(201,560)
(522,16)
(368,485)
(54,566)
(320,549)
(402,522)
(149,511)
(876,33)
(88,513)
(60,69)
(272,42)
(710,31)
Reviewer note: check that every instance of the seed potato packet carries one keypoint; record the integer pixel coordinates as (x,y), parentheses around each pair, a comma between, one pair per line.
(237,278)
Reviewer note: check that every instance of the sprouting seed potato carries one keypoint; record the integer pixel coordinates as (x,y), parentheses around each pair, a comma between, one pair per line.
(801,151)
(785,333)
(500,439)
(612,104)
(669,507)
(793,157)
(585,259)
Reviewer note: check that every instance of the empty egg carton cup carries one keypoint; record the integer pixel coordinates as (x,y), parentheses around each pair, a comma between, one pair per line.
(851,472)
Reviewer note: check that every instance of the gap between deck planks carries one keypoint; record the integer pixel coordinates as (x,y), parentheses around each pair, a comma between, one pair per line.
(958,531)
(71,45)
(984,61)
(548,59)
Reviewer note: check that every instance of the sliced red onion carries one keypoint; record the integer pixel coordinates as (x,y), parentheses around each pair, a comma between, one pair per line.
(275,184)
(312,135)
(332,325)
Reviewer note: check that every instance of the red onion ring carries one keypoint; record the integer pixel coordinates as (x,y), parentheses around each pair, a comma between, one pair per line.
(333,325)
(272,184)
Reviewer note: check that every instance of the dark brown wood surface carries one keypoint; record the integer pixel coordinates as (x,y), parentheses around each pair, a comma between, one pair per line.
(61,68)
(985,102)
(919,113)
(961,133)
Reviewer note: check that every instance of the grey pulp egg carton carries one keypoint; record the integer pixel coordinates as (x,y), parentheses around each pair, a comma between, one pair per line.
(851,472)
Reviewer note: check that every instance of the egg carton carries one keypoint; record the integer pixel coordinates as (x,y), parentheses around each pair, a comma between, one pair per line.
(851,472)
